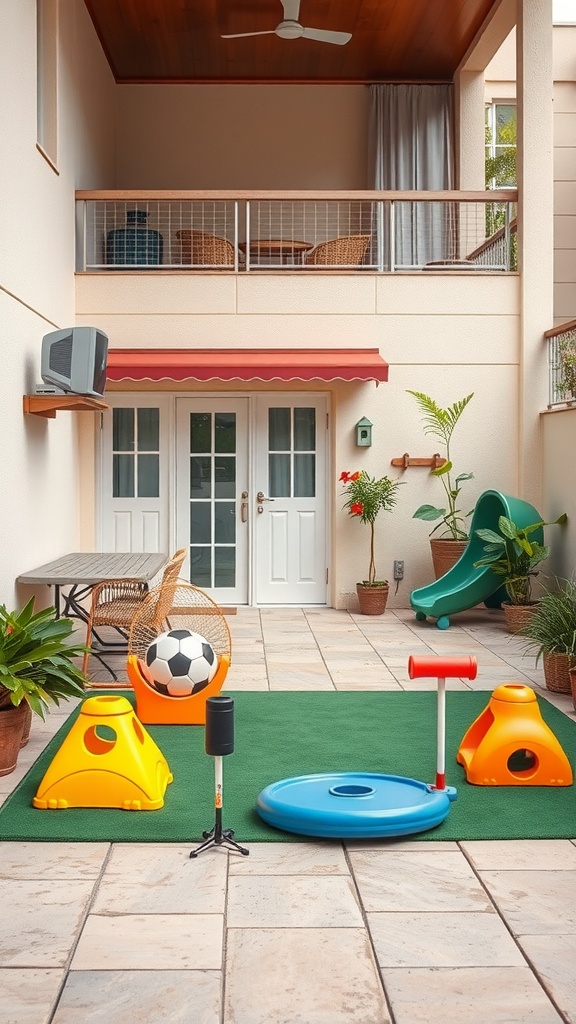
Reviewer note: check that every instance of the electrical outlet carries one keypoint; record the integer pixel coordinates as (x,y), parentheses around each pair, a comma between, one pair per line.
(399,570)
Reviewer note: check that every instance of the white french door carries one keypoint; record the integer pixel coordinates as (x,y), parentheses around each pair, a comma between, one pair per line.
(240,482)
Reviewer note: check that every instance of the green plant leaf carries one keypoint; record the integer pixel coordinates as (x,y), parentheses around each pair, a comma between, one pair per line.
(429,513)
(441,470)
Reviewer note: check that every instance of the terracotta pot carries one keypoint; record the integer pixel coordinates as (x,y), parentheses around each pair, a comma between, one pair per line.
(372,600)
(557,671)
(27,724)
(11,727)
(518,615)
(445,554)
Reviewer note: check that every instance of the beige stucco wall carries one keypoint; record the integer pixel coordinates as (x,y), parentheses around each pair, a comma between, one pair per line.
(40,493)
(446,335)
(559,433)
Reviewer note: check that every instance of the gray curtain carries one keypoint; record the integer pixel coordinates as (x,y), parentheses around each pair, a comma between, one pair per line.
(412,147)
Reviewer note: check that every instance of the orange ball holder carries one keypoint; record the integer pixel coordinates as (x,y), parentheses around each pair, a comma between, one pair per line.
(509,744)
(155,708)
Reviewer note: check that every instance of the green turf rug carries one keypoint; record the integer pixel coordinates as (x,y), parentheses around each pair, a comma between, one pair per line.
(280,735)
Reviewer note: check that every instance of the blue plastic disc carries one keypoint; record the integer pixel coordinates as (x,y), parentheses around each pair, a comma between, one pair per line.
(353,805)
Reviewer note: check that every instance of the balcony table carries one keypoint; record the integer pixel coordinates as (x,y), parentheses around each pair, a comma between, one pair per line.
(282,247)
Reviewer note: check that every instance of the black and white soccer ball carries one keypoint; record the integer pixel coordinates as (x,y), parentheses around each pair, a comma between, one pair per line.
(179,663)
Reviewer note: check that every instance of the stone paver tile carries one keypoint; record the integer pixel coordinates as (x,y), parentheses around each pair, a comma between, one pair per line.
(535,902)
(28,996)
(400,845)
(39,920)
(481,995)
(554,962)
(129,997)
(292,901)
(140,879)
(423,881)
(247,682)
(302,976)
(520,854)
(291,859)
(52,860)
(155,942)
(443,940)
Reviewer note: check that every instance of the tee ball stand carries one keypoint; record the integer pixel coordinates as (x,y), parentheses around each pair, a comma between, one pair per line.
(219,741)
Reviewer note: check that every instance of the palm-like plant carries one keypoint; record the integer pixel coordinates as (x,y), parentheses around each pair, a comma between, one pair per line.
(513,555)
(37,663)
(368,496)
(552,627)
(440,424)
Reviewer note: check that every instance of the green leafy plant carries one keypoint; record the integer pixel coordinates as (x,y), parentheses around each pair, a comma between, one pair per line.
(366,497)
(37,662)
(512,555)
(552,627)
(440,423)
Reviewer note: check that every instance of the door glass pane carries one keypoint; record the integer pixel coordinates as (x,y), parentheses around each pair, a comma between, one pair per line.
(200,527)
(279,430)
(148,430)
(200,430)
(225,522)
(225,567)
(200,482)
(225,476)
(123,476)
(304,430)
(279,476)
(148,476)
(225,432)
(201,566)
(304,476)
(123,436)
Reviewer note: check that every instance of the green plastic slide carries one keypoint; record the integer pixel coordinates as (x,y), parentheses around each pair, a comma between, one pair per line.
(463,586)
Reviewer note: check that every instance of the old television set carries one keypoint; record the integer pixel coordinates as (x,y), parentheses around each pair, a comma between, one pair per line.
(74,361)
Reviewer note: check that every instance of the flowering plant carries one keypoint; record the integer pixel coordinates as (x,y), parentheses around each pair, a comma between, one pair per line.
(366,497)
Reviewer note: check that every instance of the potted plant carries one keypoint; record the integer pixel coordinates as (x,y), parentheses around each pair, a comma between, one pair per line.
(551,634)
(37,669)
(513,554)
(440,424)
(366,498)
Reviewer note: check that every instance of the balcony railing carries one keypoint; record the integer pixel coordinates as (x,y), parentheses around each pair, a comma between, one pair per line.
(382,232)
(562,364)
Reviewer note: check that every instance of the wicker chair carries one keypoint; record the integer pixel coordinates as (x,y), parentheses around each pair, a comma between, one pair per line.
(198,247)
(349,250)
(190,608)
(115,603)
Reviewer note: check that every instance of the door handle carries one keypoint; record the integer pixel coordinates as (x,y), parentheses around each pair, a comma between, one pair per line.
(260,497)
(244,507)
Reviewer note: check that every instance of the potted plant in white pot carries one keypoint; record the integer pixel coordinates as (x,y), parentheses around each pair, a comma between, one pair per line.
(37,669)
(440,424)
(366,498)
(551,635)
(513,554)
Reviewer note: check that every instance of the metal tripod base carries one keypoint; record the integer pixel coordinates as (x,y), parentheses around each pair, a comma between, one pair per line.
(219,837)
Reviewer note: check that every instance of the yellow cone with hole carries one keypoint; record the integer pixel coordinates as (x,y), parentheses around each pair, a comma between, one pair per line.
(509,744)
(107,760)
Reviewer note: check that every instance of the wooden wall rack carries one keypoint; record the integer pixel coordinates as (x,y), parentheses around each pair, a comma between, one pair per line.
(405,460)
(48,405)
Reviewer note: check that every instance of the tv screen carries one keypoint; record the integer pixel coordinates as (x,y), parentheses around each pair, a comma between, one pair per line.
(75,359)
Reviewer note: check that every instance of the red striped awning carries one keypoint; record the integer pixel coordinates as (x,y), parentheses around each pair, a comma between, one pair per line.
(265,364)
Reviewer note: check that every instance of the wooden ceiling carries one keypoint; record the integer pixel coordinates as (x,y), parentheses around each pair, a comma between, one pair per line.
(179,40)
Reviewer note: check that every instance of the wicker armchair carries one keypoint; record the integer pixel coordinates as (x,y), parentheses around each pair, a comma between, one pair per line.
(115,603)
(198,247)
(349,250)
(190,608)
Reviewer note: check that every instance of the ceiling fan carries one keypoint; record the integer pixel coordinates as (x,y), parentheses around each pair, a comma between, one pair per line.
(290,28)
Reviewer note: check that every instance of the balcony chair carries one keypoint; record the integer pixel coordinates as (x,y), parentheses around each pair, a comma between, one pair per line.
(115,603)
(190,608)
(348,250)
(199,247)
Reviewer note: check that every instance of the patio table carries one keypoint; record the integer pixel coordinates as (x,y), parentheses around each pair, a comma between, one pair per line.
(82,570)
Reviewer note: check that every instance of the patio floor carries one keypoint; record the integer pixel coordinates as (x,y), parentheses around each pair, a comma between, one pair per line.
(299,933)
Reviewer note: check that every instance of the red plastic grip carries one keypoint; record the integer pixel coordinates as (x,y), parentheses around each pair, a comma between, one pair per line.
(432,665)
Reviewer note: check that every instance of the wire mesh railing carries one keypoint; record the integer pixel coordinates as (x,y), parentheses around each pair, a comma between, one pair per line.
(363,231)
(562,364)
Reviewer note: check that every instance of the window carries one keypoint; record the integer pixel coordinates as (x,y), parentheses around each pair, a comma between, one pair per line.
(500,145)
(47,77)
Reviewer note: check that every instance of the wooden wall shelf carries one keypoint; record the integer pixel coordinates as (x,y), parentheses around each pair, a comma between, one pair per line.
(48,405)
(406,460)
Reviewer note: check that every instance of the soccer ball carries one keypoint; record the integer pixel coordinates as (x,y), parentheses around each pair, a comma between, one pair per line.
(179,663)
